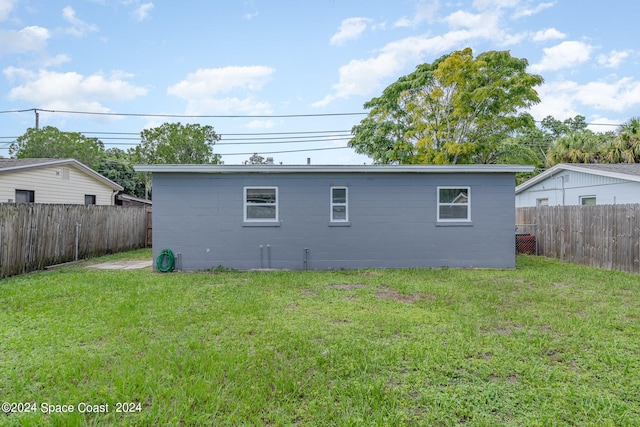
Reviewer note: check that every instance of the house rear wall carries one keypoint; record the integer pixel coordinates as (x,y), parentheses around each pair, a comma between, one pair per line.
(51,185)
(570,186)
(392,222)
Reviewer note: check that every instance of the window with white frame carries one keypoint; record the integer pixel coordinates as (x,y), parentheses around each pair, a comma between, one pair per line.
(587,200)
(339,204)
(454,204)
(261,204)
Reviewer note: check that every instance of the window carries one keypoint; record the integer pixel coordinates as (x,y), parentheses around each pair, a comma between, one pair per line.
(542,202)
(339,205)
(587,200)
(453,204)
(261,204)
(25,196)
(89,199)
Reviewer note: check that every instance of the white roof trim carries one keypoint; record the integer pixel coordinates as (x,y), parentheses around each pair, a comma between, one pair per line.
(230,169)
(575,168)
(62,162)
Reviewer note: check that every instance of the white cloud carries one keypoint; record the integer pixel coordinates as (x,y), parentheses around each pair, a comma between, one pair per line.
(566,54)
(350,29)
(209,81)
(529,11)
(142,12)
(230,106)
(494,4)
(564,99)
(71,91)
(200,89)
(27,39)
(484,26)
(618,96)
(250,16)
(614,58)
(425,11)
(548,34)
(261,124)
(364,76)
(78,27)
(55,61)
(6,6)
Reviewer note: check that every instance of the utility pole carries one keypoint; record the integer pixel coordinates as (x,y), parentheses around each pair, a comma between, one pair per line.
(37,118)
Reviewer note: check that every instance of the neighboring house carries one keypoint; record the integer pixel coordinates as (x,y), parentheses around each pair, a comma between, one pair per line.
(334,217)
(582,184)
(127,201)
(64,181)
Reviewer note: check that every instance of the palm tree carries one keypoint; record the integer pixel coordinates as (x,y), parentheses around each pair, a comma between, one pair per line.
(625,147)
(576,147)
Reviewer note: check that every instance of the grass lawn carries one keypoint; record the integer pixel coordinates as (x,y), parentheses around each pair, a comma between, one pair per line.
(549,343)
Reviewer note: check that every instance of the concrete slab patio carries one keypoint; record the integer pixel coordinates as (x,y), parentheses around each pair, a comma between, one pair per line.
(122,265)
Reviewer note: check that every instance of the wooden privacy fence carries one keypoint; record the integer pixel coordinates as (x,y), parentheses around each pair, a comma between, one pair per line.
(33,236)
(605,236)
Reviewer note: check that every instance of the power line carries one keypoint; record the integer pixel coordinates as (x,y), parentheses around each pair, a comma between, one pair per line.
(282,152)
(224,116)
(97,113)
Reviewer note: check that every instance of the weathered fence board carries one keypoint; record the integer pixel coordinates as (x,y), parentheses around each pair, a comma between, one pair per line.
(33,236)
(605,236)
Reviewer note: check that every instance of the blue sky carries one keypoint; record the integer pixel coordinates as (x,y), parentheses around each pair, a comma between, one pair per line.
(297,72)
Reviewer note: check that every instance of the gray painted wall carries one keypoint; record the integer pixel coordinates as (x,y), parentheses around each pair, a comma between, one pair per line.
(392,221)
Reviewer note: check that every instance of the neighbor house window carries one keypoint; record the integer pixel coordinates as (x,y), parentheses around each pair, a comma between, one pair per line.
(261,204)
(25,196)
(339,204)
(587,200)
(454,204)
(542,202)
(89,199)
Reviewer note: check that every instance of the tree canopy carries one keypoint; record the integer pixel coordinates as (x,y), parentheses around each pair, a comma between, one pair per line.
(625,147)
(459,109)
(117,166)
(50,142)
(175,143)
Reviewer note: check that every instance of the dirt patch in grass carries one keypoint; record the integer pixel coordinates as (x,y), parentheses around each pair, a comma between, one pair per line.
(347,286)
(388,293)
(561,284)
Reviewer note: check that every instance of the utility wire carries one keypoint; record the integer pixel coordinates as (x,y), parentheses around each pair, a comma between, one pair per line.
(231,116)
(36,110)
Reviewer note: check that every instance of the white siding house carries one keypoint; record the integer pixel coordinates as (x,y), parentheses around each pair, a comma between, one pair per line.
(64,181)
(582,184)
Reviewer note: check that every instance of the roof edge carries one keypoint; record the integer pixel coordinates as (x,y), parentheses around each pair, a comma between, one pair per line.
(575,167)
(60,162)
(230,169)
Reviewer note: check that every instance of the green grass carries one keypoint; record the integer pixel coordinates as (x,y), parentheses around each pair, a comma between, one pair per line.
(549,343)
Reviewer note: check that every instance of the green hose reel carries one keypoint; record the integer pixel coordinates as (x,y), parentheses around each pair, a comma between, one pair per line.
(166,261)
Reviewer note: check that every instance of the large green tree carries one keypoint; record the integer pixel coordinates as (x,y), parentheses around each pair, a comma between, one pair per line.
(459,109)
(117,166)
(175,143)
(50,142)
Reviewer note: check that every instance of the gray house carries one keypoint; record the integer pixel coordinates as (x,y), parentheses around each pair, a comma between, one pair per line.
(582,184)
(334,217)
